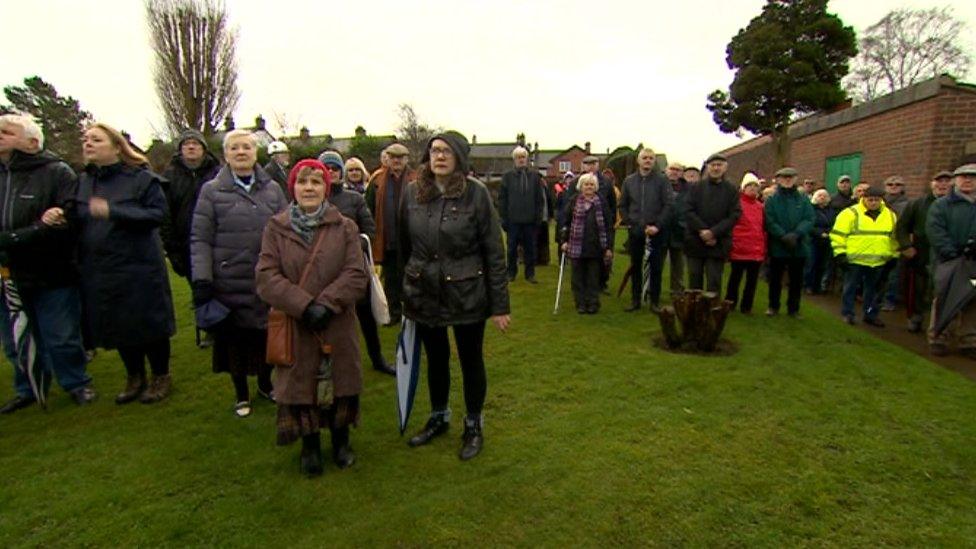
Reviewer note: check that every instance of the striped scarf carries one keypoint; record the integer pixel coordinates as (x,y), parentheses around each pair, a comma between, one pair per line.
(578,225)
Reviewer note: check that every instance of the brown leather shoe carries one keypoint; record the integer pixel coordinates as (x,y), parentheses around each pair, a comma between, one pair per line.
(158,389)
(134,387)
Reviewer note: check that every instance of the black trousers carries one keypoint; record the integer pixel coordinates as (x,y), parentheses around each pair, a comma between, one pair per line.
(469,340)
(371,334)
(393,282)
(636,247)
(586,283)
(751,270)
(705,273)
(793,266)
(918,292)
(134,358)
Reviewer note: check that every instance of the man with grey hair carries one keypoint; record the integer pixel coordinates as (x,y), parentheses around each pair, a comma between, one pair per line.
(520,205)
(38,258)
(896,200)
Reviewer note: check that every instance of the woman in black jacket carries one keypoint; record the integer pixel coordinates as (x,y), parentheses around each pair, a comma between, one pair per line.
(124,281)
(454,276)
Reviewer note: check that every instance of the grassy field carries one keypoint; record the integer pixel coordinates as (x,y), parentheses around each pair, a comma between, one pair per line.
(812,434)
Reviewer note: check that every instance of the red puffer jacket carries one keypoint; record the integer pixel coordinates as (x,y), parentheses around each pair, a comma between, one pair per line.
(748,235)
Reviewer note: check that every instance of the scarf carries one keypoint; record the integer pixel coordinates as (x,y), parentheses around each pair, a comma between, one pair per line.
(305,223)
(578,225)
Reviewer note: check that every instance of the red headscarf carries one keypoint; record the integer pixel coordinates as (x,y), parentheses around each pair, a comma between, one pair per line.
(315,165)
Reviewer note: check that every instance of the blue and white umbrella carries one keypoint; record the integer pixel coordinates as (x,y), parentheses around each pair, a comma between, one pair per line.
(407,370)
(25,348)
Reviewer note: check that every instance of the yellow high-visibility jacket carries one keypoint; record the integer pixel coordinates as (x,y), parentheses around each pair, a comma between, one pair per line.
(866,241)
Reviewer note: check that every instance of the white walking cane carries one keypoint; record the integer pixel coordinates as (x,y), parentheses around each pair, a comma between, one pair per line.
(559,285)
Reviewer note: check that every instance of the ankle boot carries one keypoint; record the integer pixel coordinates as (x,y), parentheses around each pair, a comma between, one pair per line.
(472,439)
(159,389)
(310,464)
(134,387)
(342,453)
(435,427)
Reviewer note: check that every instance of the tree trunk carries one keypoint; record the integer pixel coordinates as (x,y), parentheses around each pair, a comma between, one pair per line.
(782,146)
(702,316)
(669,328)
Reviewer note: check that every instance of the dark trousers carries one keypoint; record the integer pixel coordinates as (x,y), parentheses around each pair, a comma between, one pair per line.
(636,247)
(586,283)
(134,358)
(542,244)
(705,272)
(857,276)
(918,290)
(469,340)
(371,334)
(393,283)
(523,234)
(793,266)
(751,270)
(676,264)
(815,270)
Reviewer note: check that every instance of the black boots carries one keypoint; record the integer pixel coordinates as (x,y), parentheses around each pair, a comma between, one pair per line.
(472,439)
(342,453)
(435,427)
(311,460)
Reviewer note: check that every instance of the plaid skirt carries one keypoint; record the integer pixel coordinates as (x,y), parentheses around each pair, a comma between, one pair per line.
(296,421)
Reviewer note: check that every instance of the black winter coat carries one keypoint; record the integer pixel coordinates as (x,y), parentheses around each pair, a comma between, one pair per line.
(676,226)
(276,172)
(124,280)
(712,205)
(950,224)
(521,202)
(352,205)
(38,256)
(228,224)
(454,270)
(182,187)
(646,200)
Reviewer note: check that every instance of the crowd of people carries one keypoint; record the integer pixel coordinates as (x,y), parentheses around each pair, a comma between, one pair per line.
(279,260)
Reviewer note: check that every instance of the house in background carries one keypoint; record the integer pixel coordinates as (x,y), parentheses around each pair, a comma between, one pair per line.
(914,132)
(259,129)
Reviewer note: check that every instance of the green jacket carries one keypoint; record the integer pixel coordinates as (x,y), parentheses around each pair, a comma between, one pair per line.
(951,223)
(789,211)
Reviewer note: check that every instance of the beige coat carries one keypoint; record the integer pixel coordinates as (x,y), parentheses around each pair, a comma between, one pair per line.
(337,280)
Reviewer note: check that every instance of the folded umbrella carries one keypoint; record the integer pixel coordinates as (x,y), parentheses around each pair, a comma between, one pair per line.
(955,287)
(407,370)
(210,314)
(24,344)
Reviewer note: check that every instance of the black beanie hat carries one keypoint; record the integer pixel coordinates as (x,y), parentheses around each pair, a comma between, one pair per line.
(191,134)
(457,142)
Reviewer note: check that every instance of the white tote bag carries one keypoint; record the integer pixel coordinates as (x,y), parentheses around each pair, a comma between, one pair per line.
(377,298)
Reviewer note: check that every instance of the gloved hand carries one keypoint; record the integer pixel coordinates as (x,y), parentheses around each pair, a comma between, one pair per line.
(317,317)
(841,259)
(203,292)
(970,249)
(790,239)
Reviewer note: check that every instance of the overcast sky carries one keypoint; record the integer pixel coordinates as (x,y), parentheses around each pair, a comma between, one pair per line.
(562,71)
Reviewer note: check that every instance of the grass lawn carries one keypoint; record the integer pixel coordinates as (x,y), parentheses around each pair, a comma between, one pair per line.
(812,434)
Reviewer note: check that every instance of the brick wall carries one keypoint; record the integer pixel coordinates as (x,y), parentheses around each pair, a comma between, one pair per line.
(954,129)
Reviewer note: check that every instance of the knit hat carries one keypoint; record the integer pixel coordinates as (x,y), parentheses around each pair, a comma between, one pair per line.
(188,134)
(457,142)
(748,179)
(315,165)
(332,158)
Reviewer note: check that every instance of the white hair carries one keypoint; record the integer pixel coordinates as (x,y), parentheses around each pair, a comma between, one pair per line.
(817,194)
(234,134)
(519,151)
(587,178)
(27,125)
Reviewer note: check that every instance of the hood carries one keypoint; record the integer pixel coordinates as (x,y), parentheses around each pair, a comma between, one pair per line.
(458,143)
(21,161)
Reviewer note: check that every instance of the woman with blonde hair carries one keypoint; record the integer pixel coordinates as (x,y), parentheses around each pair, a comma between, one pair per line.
(125,289)
(356,175)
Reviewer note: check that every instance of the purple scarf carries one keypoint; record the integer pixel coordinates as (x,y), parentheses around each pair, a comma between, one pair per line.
(583,206)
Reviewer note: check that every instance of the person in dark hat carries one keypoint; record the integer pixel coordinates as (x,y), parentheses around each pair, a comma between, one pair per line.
(711,211)
(789,220)
(913,243)
(455,277)
(863,239)
(951,232)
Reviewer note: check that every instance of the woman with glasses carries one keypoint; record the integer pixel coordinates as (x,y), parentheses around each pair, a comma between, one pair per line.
(454,277)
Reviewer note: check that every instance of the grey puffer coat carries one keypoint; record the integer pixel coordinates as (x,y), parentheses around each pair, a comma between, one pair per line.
(226,239)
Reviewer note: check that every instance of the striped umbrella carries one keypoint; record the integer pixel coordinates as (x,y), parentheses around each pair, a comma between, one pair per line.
(24,345)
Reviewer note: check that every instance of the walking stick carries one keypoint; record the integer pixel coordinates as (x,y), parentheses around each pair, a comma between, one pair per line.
(559,284)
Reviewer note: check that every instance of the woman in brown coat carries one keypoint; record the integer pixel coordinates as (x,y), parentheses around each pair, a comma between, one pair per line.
(318,388)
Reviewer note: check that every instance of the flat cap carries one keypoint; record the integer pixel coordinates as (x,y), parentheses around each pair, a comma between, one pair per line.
(944,174)
(965,169)
(590,159)
(844,177)
(397,149)
(716,156)
(786,172)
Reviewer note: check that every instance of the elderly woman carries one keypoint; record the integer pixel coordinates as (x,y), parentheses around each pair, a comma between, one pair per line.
(125,289)
(311,268)
(587,228)
(356,175)
(823,220)
(748,245)
(454,276)
(225,240)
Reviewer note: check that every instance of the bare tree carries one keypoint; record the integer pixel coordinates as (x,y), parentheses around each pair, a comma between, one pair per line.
(905,47)
(413,133)
(196,62)
(288,125)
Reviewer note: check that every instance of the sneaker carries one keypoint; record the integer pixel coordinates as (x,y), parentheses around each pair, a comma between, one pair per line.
(243,409)
(84,395)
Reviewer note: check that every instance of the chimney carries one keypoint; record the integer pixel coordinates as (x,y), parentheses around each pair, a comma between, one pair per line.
(259,123)
(587,147)
(474,139)
(303,133)
(228,123)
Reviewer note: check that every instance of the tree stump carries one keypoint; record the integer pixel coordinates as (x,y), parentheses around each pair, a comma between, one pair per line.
(702,317)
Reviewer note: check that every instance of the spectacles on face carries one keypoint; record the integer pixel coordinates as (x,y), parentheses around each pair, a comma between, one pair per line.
(441,151)
(333,169)
(894,185)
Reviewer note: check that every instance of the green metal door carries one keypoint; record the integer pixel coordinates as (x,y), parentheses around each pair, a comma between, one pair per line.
(848,164)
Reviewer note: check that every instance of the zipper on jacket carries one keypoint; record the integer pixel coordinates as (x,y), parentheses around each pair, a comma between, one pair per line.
(8,209)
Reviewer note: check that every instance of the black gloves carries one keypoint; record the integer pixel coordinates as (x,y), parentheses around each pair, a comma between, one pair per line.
(790,239)
(203,292)
(841,259)
(317,317)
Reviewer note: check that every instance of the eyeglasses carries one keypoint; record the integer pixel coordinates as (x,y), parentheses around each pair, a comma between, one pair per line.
(894,185)
(333,169)
(441,151)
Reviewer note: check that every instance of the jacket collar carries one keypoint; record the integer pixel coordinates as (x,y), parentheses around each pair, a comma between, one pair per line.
(281,222)
(225,179)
